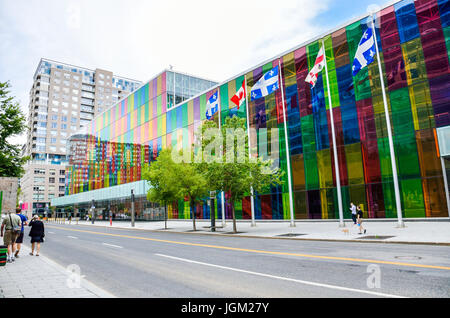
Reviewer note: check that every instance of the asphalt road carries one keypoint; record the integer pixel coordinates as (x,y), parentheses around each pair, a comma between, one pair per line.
(136,263)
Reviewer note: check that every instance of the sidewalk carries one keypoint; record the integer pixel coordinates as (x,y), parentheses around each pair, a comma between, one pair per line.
(39,277)
(386,231)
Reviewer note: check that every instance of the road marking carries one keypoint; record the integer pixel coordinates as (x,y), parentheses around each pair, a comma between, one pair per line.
(112,245)
(51,232)
(72,237)
(284,278)
(359,260)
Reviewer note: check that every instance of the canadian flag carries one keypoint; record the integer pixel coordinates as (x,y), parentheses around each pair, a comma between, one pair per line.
(317,68)
(239,97)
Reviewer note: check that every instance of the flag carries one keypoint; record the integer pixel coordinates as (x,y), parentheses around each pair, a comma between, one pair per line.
(317,68)
(212,106)
(266,85)
(365,52)
(239,97)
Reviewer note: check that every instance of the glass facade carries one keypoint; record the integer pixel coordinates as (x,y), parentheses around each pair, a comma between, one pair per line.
(414,42)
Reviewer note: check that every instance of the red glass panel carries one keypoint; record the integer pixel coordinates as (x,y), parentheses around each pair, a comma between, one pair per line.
(304,90)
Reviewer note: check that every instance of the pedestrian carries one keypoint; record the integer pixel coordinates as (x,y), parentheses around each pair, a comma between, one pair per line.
(37,234)
(353,209)
(19,239)
(11,225)
(360,219)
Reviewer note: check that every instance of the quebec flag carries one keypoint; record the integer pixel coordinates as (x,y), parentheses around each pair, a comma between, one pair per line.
(212,106)
(266,85)
(365,52)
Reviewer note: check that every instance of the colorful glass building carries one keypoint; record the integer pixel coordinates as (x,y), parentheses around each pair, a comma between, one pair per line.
(414,42)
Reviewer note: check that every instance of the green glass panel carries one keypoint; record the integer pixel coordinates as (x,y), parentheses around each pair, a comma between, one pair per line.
(311,173)
(308,135)
(159,127)
(389,200)
(300,203)
(385,159)
(406,155)
(147,113)
(159,105)
(184,110)
(402,120)
(203,107)
(324,167)
(358,197)
(332,76)
(412,198)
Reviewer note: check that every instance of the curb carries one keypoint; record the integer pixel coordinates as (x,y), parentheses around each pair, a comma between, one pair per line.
(276,237)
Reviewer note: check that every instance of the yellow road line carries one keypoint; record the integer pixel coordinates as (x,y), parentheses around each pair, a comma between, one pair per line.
(264,252)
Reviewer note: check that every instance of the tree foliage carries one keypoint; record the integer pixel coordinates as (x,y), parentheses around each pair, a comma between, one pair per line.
(238,176)
(12,122)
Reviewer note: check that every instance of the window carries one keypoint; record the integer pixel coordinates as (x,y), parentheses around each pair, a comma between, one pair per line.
(62,188)
(64,118)
(75,91)
(55,117)
(39,171)
(51,180)
(52,148)
(52,172)
(57,73)
(65,104)
(39,180)
(53,140)
(63,134)
(73,127)
(53,132)
(54,125)
(61,180)
(62,149)
(63,126)
(56,88)
(62,172)
(74,99)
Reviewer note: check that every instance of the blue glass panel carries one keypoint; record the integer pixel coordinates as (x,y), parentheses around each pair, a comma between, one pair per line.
(444,10)
(169,122)
(317,95)
(408,28)
(321,129)
(293,113)
(365,24)
(179,117)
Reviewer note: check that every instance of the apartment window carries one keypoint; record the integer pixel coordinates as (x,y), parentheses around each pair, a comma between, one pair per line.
(56,88)
(40,140)
(73,127)
(51,180)
(62,188)
(55,110)
(52,148)
(63,134)
(64,118)
(39,171)
(52,172)
(40,148)
(61,180)
(39,180)
(55,117)
(67,76)
(51,188)
(74,99)
(62,172)
(57,73)
(66,83)
(100,82)
(57,81)
(55,103)
(54,125)
(73,120)
(51,196)
(42,124)
(75,106)
(75,91)
(65,104)
(66,90)
(75,77)
(53,140)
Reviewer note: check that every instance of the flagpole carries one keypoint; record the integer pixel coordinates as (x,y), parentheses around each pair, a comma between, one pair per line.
(286,137)
(336,163)
(388,124)
(220,128)
(249,150)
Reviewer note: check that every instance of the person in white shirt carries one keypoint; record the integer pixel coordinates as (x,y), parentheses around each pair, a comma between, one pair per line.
(353,209)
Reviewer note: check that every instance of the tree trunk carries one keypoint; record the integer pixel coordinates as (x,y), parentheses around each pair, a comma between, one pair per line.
(165,217)
(234,217)
(193,214)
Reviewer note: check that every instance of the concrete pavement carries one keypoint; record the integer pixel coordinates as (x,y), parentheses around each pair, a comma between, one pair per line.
(381,231)
(39,277)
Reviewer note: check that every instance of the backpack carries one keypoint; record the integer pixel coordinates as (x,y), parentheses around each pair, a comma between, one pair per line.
(16,229)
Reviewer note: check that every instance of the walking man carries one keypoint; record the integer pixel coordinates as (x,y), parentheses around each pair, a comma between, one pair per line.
(353,209)
(19,239)
(11,225)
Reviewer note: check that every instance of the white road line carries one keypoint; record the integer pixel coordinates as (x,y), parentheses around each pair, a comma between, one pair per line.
(73,237)
(285,278)
(116,246)
(51,232)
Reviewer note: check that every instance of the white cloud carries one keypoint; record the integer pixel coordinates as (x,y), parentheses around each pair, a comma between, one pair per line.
(137,39)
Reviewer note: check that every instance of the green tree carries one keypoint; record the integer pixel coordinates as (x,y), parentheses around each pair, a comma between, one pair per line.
(191,182)
(161,175)
(233,176)
(12,123)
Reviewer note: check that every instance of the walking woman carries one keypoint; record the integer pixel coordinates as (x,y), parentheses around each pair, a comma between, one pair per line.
(37,234)
(359,214)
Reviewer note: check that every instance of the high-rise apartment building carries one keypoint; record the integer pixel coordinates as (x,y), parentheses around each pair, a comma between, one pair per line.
(63,98)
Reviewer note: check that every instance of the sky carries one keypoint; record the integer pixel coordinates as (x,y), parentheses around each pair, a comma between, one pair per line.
(139,38)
